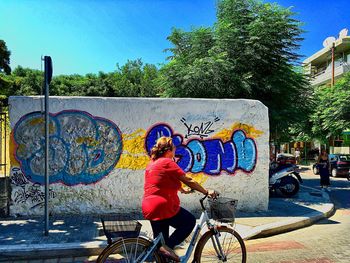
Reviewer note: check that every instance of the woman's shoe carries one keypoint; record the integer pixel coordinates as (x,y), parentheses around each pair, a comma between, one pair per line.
(167,252)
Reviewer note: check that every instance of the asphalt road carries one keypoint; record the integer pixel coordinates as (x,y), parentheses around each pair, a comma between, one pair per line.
(324,242)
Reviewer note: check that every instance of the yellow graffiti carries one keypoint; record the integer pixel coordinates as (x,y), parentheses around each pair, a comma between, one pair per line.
(250,130)
(36,121)
(134,155)
(199,178)
(5,151)
(128,161)
(12,149)
(134,143)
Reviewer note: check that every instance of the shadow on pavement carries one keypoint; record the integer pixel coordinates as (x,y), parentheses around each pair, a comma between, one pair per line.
(62,230)
(327,221)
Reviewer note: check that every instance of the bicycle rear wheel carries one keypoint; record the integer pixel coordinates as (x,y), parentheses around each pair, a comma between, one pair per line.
(231,243)
(128,250)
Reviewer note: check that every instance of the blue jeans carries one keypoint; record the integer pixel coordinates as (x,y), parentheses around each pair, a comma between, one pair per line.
(183,222)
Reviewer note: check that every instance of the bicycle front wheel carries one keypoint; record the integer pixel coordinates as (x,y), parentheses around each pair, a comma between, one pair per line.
(232,247)
(128,250)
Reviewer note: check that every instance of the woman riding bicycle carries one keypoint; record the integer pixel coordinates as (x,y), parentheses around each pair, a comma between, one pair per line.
(161,204)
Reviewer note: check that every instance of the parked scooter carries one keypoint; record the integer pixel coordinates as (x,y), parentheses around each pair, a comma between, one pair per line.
(284,178)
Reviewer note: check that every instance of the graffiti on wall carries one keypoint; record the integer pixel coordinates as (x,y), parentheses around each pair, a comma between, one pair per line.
(203,130)
(82,150)
(209,156)
(27,192)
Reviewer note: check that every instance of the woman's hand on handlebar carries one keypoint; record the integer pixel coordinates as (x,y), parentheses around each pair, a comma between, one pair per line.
(212,193)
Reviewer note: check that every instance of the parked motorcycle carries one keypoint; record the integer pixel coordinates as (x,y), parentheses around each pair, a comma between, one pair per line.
(284,178)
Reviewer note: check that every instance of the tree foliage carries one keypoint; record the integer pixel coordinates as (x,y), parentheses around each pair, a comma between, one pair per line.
(4,58)
(249,53)
(331,115)
(134,79)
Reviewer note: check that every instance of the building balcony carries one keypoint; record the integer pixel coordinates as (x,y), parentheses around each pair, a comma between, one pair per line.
(325,77)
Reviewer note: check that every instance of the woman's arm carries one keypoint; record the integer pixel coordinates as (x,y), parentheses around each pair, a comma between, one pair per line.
(196,186)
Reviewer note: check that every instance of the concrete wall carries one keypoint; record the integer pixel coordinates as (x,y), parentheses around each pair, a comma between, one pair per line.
(98,151)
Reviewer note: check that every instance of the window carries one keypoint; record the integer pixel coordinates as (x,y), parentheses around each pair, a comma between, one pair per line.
(344,157)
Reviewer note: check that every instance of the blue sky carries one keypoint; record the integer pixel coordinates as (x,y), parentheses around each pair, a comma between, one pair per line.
(91,36)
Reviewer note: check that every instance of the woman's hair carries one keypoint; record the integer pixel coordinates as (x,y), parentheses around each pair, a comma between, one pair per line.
(162,145)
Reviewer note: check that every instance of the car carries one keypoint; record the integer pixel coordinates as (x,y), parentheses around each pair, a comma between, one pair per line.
(339,165)
(285,158)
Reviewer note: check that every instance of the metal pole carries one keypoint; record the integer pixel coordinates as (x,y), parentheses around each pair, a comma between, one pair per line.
(5,126)
(333,47)
(5,170)
(47,79)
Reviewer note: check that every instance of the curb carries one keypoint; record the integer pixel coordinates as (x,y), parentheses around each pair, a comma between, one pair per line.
(35,251)
(291,224)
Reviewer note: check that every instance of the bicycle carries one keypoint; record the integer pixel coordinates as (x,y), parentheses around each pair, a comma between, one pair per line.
(220,243)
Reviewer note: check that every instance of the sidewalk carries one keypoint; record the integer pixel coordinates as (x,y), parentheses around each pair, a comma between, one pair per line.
(76,236)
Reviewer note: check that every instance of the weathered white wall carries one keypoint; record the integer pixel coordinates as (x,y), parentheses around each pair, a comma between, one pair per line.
(98,150)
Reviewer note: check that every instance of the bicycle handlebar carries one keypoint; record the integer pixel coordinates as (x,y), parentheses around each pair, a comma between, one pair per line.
(205,197)
(202,201)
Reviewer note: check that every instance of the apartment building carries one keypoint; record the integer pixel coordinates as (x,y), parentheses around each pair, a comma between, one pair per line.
(319,65)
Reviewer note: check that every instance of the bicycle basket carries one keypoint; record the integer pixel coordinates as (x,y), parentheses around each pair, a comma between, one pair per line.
(114,228)
(223,209)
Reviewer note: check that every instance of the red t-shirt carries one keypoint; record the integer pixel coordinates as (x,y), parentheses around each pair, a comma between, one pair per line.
(160,199)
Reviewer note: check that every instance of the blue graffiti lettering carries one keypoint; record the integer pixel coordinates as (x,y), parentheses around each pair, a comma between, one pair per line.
(210,156)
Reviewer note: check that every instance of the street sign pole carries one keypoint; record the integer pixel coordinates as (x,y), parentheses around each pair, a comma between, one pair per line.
(47,80)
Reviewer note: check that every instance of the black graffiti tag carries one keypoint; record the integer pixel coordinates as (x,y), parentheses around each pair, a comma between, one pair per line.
(27,191)
(202,130)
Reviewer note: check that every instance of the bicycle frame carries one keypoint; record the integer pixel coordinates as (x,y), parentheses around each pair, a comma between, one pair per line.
(203,220)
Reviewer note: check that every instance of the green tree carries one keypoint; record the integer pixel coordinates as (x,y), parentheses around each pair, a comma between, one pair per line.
(26,81)
(331,115)
(249,53)
(5,71)
(68,85)
(149,84)
(4,58)
(134,79)
(5,84)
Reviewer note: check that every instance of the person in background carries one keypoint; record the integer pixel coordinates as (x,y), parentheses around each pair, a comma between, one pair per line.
(323,167)
(297,156)
(161,204)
